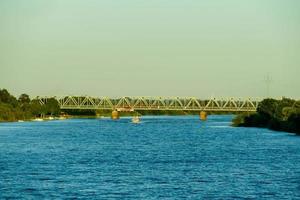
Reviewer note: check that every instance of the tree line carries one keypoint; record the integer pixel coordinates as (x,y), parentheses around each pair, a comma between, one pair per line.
(24,108)
(280,115)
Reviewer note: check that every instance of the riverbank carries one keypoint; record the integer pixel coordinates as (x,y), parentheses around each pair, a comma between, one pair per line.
(278,115)
(23,108)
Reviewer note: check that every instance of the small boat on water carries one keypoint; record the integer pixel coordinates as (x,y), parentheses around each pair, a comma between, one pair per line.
(38,120)
(135,120)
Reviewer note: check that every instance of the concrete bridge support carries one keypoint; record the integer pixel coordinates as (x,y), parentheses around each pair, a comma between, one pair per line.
(203,115)
(115,115)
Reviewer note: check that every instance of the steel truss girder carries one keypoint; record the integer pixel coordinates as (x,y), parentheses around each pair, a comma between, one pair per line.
(155,103)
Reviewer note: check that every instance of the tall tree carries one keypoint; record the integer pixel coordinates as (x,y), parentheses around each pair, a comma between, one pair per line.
(6,97)
(52,107)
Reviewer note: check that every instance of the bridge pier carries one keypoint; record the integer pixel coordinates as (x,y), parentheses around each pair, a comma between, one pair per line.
(203,115)
(115,115)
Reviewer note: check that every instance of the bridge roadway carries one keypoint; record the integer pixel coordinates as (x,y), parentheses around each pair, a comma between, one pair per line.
(156,103)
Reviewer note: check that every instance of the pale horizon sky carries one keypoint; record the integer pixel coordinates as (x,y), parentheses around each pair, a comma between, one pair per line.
(221,48)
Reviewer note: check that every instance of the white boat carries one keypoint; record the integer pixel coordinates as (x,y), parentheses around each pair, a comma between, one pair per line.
(38,120)
(20,120)
(135,119)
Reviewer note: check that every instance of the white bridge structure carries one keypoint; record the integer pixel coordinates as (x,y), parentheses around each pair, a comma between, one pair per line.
(156,103)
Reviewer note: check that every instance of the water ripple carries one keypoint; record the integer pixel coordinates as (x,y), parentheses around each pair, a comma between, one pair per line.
(163,158)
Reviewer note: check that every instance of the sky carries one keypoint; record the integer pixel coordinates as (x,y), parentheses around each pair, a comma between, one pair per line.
(220,48)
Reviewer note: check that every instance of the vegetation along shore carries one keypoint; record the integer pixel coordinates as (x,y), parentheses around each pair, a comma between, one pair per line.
(280,115)
(23,108)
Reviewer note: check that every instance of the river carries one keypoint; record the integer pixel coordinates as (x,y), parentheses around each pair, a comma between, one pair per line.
(161,158)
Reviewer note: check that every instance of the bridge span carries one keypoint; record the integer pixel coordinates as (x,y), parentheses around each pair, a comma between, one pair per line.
(156,103)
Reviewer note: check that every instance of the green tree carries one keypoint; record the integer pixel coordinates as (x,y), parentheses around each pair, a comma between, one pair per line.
(6,97)
(36,108)
(6,113)
(267,107)
(24,98)
(52,107)
(280,113)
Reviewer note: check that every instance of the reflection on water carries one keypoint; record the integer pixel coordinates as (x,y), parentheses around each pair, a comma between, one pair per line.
(160,158)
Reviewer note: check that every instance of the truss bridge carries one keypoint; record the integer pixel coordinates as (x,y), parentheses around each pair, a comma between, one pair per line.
(156,103)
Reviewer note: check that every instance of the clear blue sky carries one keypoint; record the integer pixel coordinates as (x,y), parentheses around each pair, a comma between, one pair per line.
(158,47)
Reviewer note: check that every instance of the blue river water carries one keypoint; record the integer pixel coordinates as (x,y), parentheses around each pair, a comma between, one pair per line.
(161,158)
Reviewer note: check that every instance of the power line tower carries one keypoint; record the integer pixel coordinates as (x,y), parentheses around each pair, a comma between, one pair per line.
(268,80)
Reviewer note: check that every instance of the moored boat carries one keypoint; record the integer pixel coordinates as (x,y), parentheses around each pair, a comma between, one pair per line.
(135,119)
(38,120)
